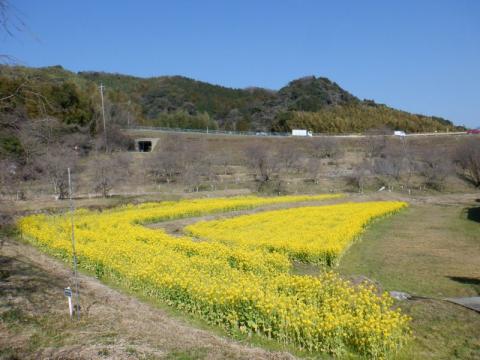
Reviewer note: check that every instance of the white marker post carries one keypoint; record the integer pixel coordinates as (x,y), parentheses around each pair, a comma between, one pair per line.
(75,272)
(68,293)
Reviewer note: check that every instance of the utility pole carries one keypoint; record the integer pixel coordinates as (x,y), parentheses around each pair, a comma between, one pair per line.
(103,115)
(74,253)
(128,114)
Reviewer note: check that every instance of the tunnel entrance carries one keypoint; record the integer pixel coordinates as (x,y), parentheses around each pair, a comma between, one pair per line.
(144,146)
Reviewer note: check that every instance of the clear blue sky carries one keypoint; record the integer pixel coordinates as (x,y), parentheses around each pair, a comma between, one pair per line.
(421,56)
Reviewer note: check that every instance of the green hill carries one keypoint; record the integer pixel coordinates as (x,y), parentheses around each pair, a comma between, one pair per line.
(312,102)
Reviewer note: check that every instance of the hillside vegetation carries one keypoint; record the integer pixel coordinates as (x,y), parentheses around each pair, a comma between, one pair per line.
(175,101)
(358,117)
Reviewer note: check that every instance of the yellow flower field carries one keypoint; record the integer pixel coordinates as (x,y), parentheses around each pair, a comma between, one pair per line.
(309,234)
(236,285)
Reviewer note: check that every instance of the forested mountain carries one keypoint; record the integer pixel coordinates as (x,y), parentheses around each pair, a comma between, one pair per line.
(312,102)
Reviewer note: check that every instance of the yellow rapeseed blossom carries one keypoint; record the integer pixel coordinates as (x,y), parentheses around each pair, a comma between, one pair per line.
(238,281)
(310,234)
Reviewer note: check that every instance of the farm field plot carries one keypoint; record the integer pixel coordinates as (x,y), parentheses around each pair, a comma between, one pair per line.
(238,286)
(316,235)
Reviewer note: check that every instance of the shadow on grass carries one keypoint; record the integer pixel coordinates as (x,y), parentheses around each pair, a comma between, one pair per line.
(473,282)
(20,279)
(474,214)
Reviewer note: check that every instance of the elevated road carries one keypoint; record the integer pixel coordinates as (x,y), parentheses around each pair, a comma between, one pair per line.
(143,129)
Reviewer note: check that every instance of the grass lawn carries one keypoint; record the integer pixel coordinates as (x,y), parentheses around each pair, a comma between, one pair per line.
(432,251)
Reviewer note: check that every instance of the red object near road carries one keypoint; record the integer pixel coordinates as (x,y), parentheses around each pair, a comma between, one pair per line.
(473,131)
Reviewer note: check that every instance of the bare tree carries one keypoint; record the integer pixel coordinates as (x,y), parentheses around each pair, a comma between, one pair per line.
(169,161)
(41,137)
(116,139)
(10,23)
(360,174)
(288,157)
(209,172)
(31,146)
(409,162)
(468,158)
(263,160)
(54,166)
(175,161)
(376,141)
(390,165)
(110,171)
(166,166)
(43,132)
(194,174)
(434,167)
(81,142)
(9,178)
(387,169)
(13,118)
(313,169)
(224,159)
(14,177)
(396,164)
(199,166)
(198,174)
(326,148)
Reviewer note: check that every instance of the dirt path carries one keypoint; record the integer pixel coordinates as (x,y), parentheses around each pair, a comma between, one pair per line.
(175,227)
(34,322)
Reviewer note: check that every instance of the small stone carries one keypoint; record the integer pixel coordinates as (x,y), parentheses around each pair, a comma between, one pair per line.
(399,295)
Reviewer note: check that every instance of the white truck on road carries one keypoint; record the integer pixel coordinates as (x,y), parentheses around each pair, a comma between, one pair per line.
(301,132)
